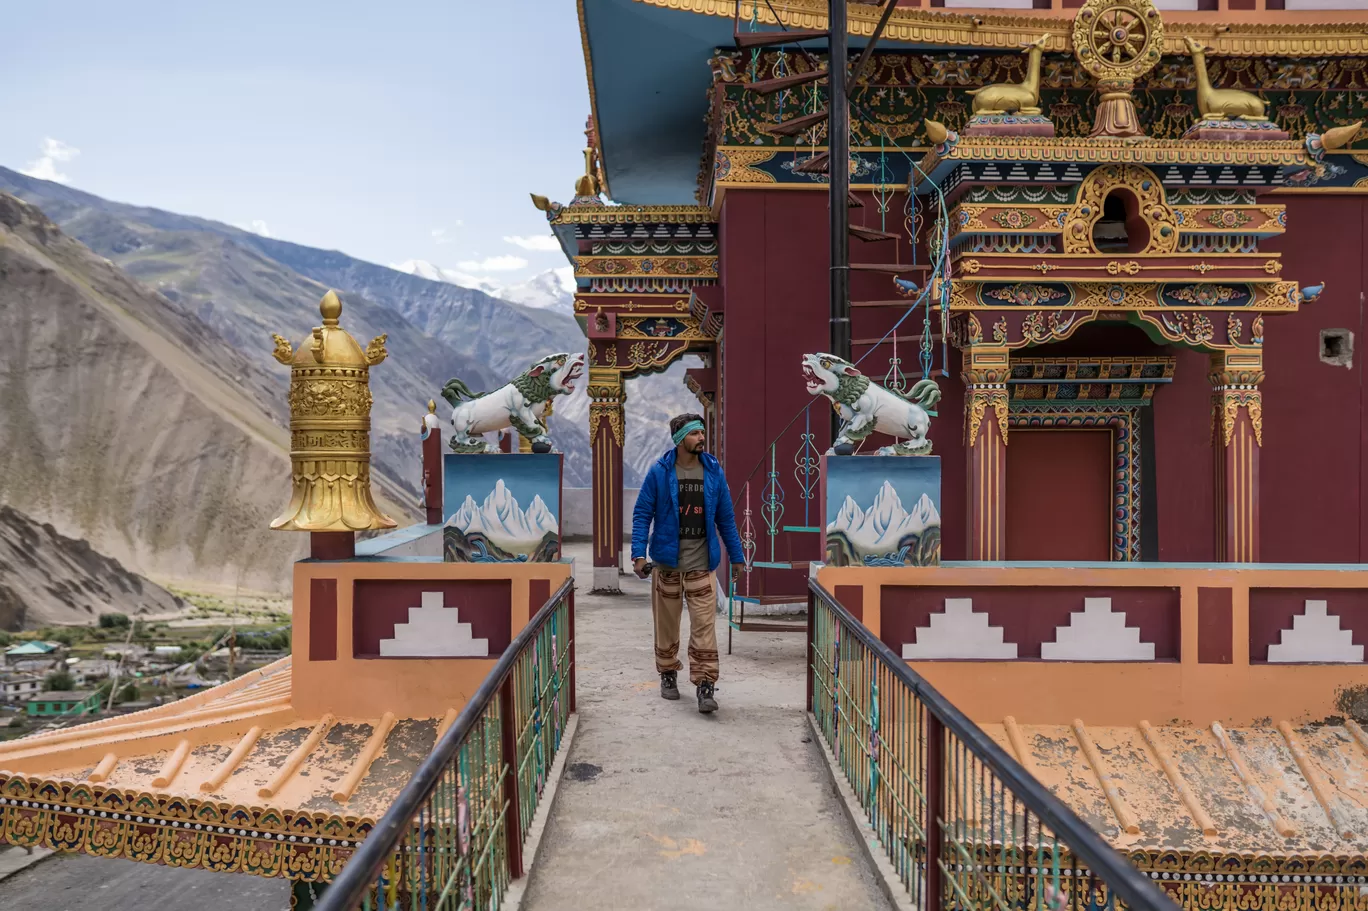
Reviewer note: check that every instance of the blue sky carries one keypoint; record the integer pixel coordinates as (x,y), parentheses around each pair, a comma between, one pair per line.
(391,131)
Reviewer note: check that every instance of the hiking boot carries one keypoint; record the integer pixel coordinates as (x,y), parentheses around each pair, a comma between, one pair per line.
(669,685)
(706,702)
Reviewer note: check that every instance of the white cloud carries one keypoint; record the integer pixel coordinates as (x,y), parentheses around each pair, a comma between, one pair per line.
(45,166)
(256,226)
(543,243)
(493,264)
(442,236)
(566,276)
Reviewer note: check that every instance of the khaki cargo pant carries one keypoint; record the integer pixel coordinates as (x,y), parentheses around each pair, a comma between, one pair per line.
(668,593)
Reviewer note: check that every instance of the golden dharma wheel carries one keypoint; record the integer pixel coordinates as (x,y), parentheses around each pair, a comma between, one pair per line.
(1118,39)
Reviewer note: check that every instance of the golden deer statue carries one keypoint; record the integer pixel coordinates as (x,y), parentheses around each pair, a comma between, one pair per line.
(1222,104)
(1010,97)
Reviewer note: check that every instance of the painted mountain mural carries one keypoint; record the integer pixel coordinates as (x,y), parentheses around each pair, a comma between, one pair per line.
(885,533)
(499,530)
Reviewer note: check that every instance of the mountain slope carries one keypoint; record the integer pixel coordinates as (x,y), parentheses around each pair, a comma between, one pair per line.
(128,422)
(229,279)
(47,579)
(246,286)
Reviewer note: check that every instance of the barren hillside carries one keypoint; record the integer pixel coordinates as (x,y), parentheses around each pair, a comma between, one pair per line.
(48,579)
(132,424)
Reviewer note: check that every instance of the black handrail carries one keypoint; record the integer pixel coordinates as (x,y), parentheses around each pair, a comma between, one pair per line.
(345,892)
(1102,859)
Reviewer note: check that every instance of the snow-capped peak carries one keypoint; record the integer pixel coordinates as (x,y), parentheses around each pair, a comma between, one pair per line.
(880,528)
(502,520)
(850,516)
(433,273)
(550,290)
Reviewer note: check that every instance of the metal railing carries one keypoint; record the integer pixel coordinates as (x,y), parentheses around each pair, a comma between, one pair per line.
(454,836)
(964,825)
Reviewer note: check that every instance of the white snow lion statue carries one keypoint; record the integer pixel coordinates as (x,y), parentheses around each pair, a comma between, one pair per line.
(866,406)
(519,404)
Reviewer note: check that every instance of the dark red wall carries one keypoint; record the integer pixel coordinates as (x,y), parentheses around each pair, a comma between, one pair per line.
(775,283)
(1311,470)
(1313,495)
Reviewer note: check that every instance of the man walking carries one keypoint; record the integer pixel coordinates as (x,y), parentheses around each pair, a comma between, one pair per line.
(683,507)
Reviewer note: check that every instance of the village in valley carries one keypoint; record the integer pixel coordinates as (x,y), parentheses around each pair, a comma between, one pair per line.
(59,676)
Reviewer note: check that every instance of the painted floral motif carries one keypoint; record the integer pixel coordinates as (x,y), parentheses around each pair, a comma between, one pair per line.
(1026,294)
(1014,219)
(1207,295)
(1194,328)
(1228,218)
(721,166)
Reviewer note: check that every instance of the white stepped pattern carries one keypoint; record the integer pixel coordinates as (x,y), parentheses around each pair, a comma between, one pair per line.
(958,632)
(433,631)
(1097,633)
(1316,635)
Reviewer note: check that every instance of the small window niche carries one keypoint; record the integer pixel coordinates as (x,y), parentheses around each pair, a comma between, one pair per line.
(1337,347)
(1120,228)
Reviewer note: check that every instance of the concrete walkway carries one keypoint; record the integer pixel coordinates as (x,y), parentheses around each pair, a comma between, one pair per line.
(664,809)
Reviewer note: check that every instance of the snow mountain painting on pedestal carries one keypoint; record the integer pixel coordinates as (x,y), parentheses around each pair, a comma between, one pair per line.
(486,519)
(882,510)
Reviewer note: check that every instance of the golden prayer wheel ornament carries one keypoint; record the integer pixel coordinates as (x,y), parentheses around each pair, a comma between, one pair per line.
(330,402)
(1117,41)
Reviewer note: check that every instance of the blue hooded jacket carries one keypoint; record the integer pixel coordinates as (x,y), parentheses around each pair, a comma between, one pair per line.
(657,513)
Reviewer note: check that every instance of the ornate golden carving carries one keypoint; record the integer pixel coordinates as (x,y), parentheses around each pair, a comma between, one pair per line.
(100,821)
(1136,181)
(1271,35)
(1277,296)
(606,396)
(736,165)
(1107,150)
(1221,104)
(631,328)
(985,385)
(1235,377)
(975,330)
(633,215)
(1117,41)
(646,266)
(330,402)
(1227,404)
(1011,97)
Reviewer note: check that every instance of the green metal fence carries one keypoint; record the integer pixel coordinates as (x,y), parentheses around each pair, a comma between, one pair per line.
(962,823)
(453,839)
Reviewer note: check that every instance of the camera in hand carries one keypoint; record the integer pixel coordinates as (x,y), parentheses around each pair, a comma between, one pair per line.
(646,570)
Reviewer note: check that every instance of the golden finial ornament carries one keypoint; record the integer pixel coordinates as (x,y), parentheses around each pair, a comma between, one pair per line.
(1117,41)
(1339,137)
(330,402)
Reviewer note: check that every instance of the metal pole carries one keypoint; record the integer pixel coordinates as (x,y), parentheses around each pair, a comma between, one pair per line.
(935,799)
(509,746)
(838,168)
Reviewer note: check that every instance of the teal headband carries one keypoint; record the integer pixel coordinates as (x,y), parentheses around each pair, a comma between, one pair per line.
(687,429)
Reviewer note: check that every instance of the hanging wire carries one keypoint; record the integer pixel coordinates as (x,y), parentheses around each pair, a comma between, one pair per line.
(754,26)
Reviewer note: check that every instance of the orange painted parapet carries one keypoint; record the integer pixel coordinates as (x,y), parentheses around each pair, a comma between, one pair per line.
(372,637)
(1116,644)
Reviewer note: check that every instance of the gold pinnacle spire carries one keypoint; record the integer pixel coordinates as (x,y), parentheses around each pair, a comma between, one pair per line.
(330,402)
